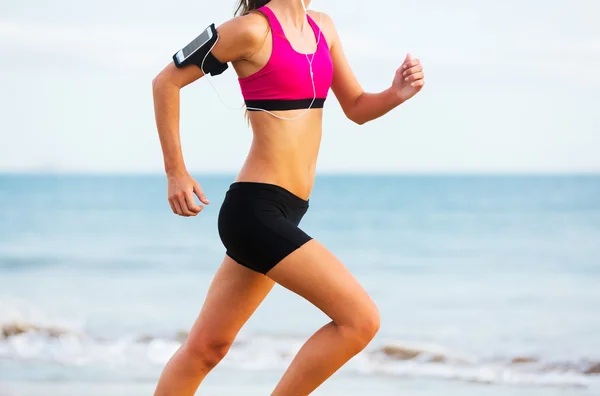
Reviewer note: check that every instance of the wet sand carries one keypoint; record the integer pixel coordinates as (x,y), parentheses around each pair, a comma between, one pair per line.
(256,384)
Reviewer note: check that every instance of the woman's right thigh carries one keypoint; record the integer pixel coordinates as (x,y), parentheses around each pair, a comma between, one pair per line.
(233,296)
(314,273)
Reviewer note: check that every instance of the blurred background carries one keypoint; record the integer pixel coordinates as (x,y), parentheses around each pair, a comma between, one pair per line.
(471,213)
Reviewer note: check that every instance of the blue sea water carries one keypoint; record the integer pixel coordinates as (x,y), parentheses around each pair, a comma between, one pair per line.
(481,281)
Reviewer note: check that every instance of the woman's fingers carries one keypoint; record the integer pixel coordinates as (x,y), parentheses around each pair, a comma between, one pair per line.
(200,194)
(191,203)
(183,205)
(181,195)
(415,77)
(172,207)
(175,203)
(411,63)
(418,83)
(414,73)
(414,69)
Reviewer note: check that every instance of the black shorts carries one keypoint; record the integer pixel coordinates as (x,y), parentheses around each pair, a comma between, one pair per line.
(258,224)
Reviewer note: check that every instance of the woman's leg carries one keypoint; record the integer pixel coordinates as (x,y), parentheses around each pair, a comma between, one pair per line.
(315,274)
(233,296)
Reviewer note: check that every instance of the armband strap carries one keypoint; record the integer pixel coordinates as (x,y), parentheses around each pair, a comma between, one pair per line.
(211,65)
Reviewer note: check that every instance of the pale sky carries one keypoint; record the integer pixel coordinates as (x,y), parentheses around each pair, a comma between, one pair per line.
(512,86)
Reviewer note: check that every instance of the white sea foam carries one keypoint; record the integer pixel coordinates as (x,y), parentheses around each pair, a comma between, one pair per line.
(72,347)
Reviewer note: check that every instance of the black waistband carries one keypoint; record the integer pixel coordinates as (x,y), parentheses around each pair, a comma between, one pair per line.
(282,193)
(285,104)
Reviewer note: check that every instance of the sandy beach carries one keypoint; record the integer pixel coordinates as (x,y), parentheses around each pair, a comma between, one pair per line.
(338,386)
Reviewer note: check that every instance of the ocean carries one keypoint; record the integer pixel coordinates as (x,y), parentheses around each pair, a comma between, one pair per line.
(487,285)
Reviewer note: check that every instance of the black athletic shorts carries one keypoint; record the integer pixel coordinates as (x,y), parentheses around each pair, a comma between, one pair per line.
(258,224)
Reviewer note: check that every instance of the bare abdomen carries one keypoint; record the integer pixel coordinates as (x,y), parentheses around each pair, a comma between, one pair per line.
(284,153)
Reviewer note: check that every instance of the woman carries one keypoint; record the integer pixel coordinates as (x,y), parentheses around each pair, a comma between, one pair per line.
(258,222)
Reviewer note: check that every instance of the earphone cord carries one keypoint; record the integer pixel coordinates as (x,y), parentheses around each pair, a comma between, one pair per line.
(312,78)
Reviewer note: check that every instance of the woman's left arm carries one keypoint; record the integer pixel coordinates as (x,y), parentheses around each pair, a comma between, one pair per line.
(360,106)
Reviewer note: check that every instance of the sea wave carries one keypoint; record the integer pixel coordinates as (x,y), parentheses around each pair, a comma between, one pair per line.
(32,342)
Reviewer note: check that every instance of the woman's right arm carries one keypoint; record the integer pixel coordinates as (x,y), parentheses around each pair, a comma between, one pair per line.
(239,38)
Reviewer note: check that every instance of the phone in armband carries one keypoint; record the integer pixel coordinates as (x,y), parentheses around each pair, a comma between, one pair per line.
(198,52)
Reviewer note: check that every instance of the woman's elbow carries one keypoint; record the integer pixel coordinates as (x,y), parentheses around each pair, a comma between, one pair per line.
(156,82)
(360,121)
(163,81)
(167,76)
(353,111)
(356,118)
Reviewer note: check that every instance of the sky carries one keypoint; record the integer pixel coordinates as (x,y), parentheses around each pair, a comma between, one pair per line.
(511,87)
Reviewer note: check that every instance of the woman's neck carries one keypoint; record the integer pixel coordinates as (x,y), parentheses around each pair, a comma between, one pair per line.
(291,11)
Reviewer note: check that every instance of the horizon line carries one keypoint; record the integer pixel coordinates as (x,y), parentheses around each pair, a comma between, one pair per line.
(322,173)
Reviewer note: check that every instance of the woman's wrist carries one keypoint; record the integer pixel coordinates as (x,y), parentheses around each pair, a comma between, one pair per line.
(174,170)
(394,96)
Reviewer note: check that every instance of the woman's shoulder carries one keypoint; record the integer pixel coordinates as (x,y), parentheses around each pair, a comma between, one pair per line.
(320,17)
(325,23)
(240,37)
(250,27)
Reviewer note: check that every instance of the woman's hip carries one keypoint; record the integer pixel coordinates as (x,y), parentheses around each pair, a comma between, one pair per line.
(258,224)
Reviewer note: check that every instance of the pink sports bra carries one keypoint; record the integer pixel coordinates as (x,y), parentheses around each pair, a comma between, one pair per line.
(284,83)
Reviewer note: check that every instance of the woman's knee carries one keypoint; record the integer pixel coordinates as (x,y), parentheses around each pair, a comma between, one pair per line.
(368,323)
(208,350)
(362,327)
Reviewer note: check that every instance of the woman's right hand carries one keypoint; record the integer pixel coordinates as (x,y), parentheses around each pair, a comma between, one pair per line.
(182,188)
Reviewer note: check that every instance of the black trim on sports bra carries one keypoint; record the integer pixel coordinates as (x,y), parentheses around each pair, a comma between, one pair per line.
(279,104)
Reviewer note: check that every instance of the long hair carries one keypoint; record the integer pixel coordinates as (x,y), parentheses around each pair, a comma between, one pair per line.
(245,6)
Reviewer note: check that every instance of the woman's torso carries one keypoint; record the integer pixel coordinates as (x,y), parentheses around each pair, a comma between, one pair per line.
(284,152)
